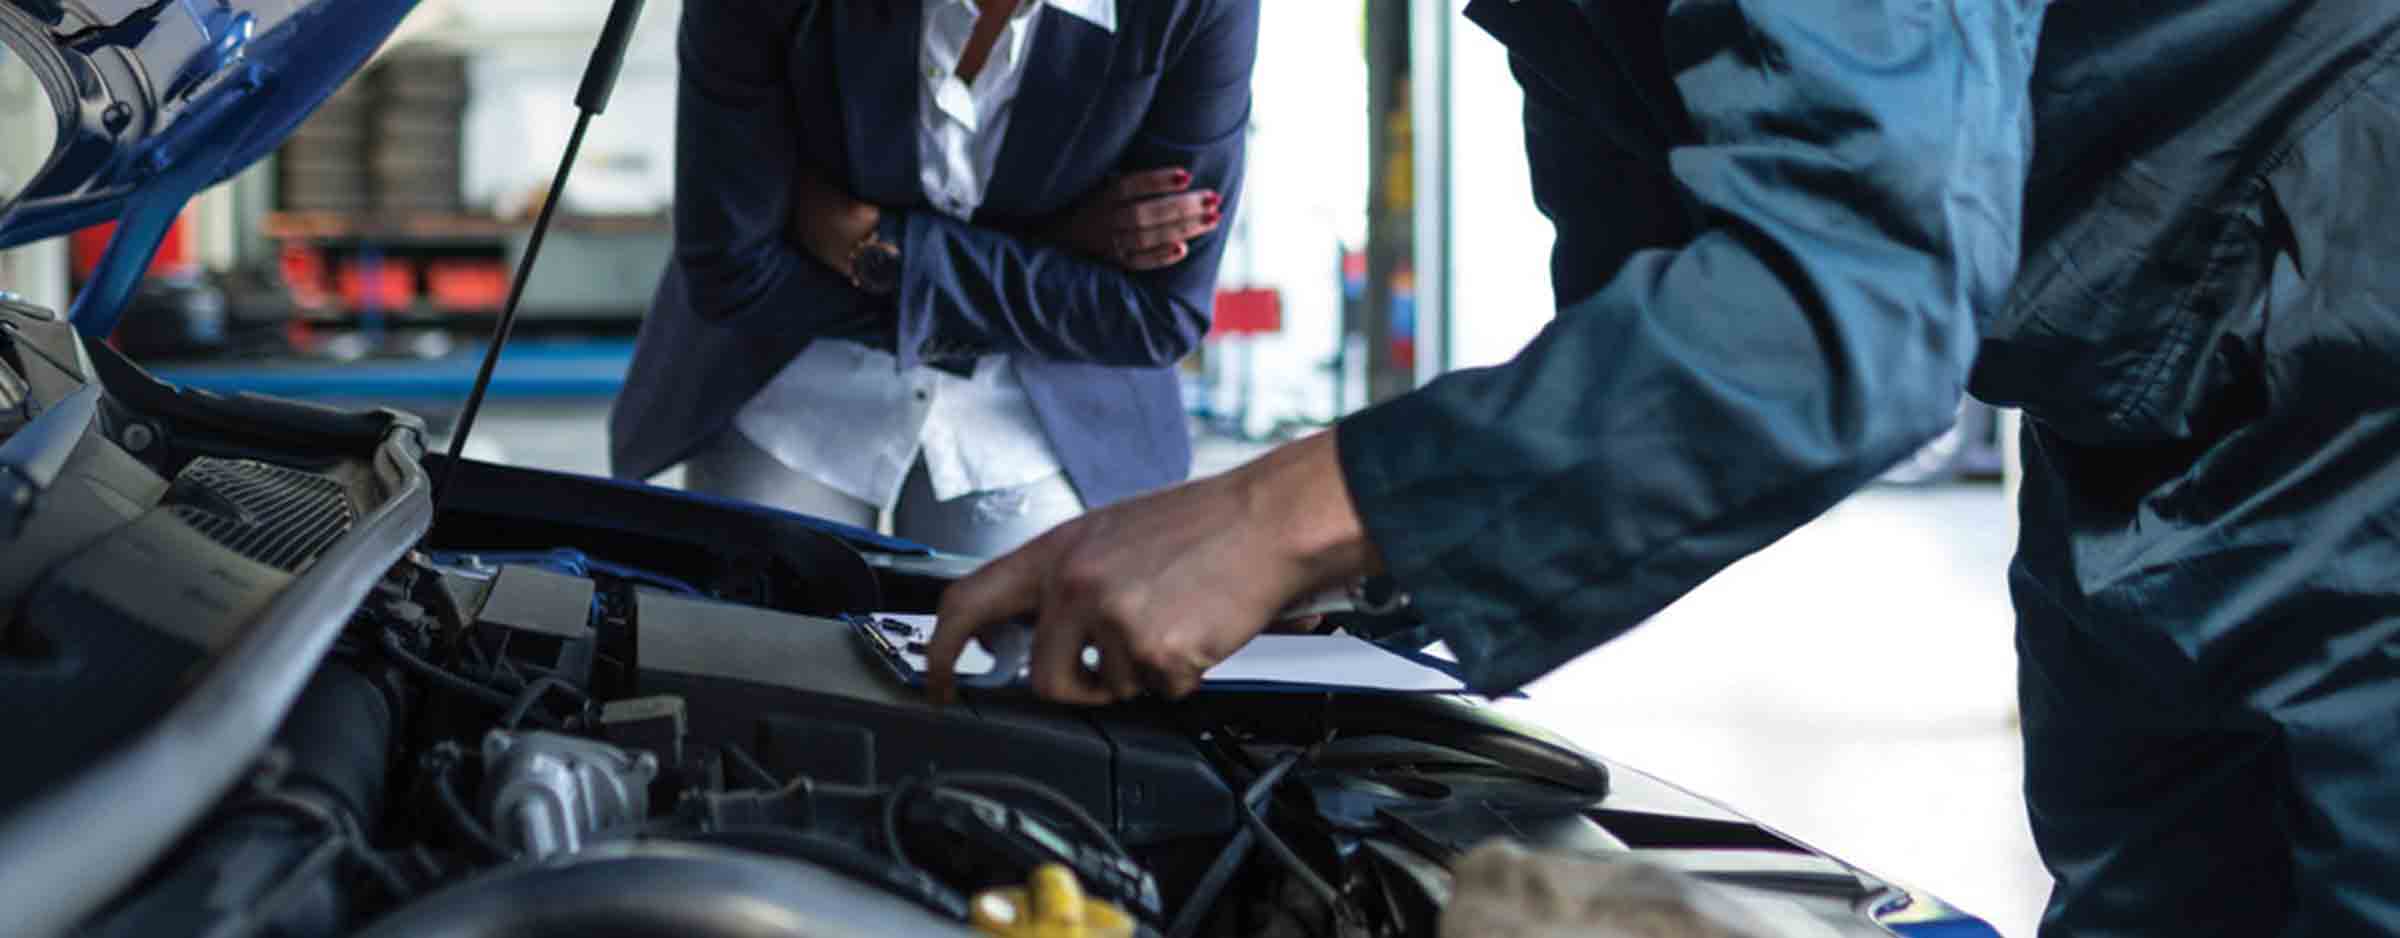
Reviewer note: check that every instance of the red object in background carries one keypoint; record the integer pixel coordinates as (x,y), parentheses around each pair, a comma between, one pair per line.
(304,273)
(457,286)
(386,285)
(1247,312)
(85,248)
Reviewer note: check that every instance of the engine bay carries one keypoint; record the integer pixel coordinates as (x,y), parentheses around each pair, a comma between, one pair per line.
(571,706)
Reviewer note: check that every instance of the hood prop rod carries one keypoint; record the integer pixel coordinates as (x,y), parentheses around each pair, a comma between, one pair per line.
(599,81)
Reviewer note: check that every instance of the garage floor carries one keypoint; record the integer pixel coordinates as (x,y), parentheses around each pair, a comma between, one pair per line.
(1852,686)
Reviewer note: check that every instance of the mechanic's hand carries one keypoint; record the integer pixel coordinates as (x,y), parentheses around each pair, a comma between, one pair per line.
(1167,585)
(827,223)
(1142,221)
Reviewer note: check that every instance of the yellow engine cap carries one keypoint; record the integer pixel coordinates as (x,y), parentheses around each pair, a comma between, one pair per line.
(1051,905)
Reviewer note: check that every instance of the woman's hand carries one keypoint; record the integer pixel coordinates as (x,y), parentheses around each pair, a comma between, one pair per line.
(1142,221)
(829,224)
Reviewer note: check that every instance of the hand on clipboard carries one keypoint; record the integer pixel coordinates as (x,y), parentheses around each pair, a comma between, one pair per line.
(999,656)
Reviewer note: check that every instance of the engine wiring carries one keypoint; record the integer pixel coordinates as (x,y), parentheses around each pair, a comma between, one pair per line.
(989,782)
(1291,861)
(337,825)
(891,819)
(533,693)
(741,757)
(1237,849)
(397,648)
(441,766)
(447,659)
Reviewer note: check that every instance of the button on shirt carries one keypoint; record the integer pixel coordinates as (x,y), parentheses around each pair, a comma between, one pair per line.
(844,414)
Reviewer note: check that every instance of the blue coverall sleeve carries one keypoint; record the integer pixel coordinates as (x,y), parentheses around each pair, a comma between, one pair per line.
(1851,177)
(737,145)
(983,289)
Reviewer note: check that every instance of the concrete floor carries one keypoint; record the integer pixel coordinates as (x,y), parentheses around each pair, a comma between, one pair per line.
(1853,686)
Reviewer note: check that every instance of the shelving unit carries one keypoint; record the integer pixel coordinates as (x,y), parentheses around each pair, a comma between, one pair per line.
(434,269)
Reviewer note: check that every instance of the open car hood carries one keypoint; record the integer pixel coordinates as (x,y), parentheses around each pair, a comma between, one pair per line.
(158,99)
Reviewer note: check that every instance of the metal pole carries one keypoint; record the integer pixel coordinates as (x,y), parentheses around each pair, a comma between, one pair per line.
(1387,215)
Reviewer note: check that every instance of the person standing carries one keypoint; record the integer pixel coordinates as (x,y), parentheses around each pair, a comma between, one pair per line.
(939,257)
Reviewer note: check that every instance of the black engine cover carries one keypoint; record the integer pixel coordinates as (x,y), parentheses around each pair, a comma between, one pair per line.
(808,697)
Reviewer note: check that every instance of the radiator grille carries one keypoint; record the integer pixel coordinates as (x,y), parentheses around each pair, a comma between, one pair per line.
(277,516)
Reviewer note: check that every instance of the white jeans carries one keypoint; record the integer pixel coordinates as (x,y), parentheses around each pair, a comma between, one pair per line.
(982,524)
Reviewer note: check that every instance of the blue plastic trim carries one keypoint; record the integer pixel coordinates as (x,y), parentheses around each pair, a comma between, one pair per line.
(565,560)
(855,535)
(551,371)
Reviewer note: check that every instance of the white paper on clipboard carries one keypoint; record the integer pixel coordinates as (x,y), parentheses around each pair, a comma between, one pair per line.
(1311,662)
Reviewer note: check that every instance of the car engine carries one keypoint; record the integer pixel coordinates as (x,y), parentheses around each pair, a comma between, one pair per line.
(570,706)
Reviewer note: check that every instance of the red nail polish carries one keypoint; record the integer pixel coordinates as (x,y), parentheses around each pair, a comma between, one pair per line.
(1182,176)
(1214,216)
(1212,200)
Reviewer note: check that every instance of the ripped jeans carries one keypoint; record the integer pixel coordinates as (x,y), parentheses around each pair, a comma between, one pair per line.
(981,524)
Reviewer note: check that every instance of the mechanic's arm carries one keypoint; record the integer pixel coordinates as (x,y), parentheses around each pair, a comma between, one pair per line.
(1859,171)
(980,288)
(1857,175)
(739,174)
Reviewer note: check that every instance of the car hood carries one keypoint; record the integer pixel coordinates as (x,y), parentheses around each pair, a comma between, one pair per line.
(158,99)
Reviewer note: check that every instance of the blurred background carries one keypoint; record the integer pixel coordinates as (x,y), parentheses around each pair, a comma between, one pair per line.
(1853,685)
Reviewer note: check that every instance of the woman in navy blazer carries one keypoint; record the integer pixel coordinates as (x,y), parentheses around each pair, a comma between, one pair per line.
(802,215)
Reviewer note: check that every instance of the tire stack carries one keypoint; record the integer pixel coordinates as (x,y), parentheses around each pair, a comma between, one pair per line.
(323,167)
(418,130)
(387,143)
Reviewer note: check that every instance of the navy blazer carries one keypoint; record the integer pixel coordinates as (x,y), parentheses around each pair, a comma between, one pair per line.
(769,85)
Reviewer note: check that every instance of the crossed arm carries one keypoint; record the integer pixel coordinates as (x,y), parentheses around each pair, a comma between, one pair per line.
(1124,278)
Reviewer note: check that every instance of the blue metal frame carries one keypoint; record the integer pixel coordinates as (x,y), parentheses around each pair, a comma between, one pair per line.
(146,135)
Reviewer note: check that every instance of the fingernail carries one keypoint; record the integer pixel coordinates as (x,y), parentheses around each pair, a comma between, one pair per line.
(1182,176)
(1212,200)
(1213,216)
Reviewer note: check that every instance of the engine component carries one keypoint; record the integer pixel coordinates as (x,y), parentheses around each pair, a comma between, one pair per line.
(982,839)
(544,793)
(665,889)
(1051,904)
(804,693)
(278,516)
(268,860)
(649,724)
(542,618)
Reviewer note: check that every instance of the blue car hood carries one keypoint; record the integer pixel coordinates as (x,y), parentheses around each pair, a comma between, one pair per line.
(158,99)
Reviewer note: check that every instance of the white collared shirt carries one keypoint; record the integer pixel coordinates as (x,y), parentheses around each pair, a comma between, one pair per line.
(843,413)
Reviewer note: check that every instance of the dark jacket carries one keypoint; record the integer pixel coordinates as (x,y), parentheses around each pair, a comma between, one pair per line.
(1789,232)
(767,86)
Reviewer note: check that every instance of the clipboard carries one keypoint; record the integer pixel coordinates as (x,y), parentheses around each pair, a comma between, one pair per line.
(1290,664)
(900,645)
